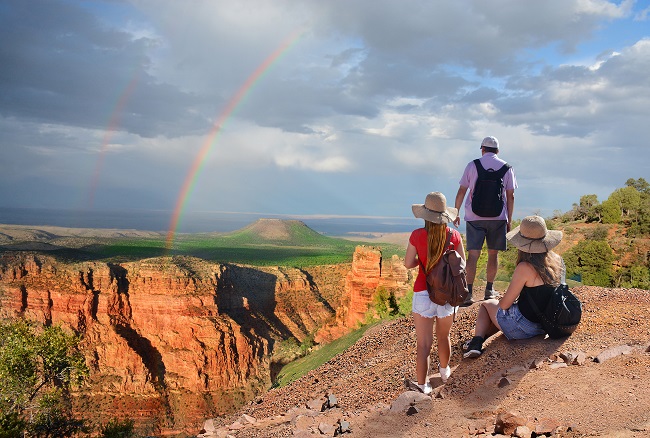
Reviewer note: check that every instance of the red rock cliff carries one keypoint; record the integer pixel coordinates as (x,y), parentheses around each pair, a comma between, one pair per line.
(369,272)
(175,340)
(166,338)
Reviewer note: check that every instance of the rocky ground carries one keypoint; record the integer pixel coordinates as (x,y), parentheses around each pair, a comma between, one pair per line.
(594,383)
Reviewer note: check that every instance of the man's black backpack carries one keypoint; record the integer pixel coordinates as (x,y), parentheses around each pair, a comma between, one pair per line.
(562,314)
(487,198)
(447,280)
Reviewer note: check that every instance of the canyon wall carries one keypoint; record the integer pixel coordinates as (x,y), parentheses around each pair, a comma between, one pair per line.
(173,340)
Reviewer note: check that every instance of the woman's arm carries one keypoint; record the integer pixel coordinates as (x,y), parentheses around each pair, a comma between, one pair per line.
(411,257)
(523,273)
(461,249)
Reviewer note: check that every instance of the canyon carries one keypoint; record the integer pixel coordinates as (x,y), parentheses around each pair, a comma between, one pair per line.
(173,340)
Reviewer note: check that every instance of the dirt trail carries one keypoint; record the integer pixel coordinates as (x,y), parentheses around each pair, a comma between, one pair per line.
(611,398)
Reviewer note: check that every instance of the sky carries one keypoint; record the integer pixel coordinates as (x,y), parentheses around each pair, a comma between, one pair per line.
(317,108)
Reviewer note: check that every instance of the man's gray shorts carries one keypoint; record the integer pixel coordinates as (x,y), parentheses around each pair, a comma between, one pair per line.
(492,232)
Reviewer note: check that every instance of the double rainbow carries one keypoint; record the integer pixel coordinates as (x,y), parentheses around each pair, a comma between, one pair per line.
(222,119)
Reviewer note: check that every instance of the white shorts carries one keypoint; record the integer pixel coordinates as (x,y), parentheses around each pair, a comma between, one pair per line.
(423,306)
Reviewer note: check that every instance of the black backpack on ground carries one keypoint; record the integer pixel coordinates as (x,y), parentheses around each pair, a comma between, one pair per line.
(562,314)
(487,197)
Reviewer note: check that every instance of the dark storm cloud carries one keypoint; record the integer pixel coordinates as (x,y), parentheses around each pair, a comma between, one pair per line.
(61,65)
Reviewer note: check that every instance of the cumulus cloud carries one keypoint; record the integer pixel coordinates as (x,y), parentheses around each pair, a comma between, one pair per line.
(317,97)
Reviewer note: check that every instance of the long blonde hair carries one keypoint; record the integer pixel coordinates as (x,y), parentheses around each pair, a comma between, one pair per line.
(547,265)
(436,239)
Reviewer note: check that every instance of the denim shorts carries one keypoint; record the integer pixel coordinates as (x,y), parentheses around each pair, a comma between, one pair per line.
(423,306)
(515,326)
(493,232)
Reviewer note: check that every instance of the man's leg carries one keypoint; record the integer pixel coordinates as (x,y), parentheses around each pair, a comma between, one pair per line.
(475,237)
(470,266)
(492,265)
(496,241)
(470,269)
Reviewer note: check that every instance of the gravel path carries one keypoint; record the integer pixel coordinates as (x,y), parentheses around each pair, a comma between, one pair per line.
(611,398)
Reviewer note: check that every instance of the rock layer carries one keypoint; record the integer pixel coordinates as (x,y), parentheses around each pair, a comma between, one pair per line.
(173,340)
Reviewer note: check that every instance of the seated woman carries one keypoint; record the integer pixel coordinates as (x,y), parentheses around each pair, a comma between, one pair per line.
(537,273)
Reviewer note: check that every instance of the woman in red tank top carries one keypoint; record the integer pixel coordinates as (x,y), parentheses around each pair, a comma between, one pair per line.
(425,247)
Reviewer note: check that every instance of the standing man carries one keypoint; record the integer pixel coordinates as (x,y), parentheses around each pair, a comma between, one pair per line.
(488,211)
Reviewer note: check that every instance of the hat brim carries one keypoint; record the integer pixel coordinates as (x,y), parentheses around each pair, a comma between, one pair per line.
(535,246)
(449,215)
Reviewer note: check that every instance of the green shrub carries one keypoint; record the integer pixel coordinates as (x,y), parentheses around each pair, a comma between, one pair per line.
(384,303)
(598,233)
(307,344)
(591,262)
(635,276)
(405,304)
(38,367)
(611,212)
(11,425)
(54,418)
(118,429)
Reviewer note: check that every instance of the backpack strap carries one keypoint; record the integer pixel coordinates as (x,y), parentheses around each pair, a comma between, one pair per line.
(448,242)
(479,167)
(481,170)
(422,266)
(502,171)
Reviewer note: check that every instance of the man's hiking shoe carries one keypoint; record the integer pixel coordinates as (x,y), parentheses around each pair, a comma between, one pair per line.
(444,373)
(473,348)
(490,294)
(468,301)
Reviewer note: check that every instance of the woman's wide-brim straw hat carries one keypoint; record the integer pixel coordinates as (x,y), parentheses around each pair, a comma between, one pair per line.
(435,209)
(532,236)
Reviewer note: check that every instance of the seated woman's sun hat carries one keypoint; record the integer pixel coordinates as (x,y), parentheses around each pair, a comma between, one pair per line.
(435,209)
(532,236)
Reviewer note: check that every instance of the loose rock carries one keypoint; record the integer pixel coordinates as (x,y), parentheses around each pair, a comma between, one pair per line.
(613,352)
(507,422)
(556,365)
(504,382)
(409,398)
(412,410)
(326,429)
(522,432)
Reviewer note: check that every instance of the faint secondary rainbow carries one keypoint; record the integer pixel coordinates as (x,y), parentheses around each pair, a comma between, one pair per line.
(113,124)
(197,165)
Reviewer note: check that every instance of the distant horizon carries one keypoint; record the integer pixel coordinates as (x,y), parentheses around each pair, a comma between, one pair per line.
(198,221)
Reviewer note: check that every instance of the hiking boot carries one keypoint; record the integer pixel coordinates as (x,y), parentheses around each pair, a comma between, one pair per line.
(444,373)
(468,301)
(473,348)
(491,294)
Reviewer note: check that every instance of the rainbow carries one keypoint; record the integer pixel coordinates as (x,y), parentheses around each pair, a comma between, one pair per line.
(113,124)
(233,104)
